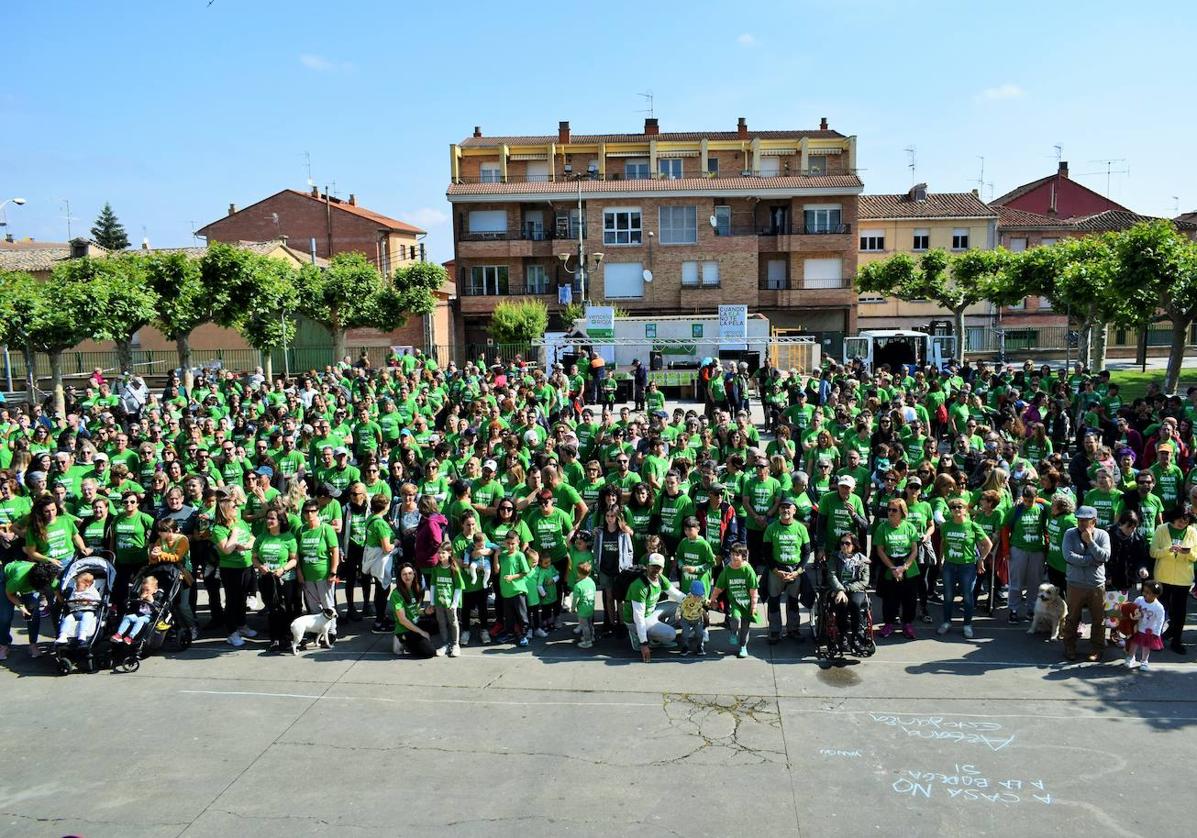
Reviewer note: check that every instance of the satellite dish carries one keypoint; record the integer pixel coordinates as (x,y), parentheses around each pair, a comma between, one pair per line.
(648,276)
(714,221)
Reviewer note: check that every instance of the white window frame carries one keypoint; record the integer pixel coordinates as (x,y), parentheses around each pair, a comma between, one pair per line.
(809,282)
(923,233)
(632,231)
(490,173)
(769,167)
(636,169)
(486,223)
(713,166)
(827,217)
(485,280)
(960,238)
(667,221)
(816,168)
(670,168)
(710,274)
(540,286)
(872,241)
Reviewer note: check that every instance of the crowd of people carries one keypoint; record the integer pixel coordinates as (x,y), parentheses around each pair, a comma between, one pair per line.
(509,503)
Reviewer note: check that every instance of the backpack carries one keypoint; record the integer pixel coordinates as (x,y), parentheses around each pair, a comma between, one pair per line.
(624,581)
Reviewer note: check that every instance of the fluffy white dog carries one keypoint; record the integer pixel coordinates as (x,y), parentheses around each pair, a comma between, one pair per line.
(320,624)
(1050,611)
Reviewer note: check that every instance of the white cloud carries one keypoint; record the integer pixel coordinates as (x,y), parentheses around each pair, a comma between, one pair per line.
(427,217)
(323,65)
(1009,90)
(746,40)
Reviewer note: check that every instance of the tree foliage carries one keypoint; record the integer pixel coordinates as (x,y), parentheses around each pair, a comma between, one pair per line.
(519,321)
(125,302)
(107,232)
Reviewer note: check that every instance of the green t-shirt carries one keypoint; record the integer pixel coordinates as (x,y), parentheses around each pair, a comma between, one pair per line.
(240,532)
(59,542)
(761,494)
(1026,530)
(411,610)
(1107,503)
(274,551)
(900,543)
(15,509)
(446,585)
(835,513)
(132,537)
(960,541)
(1056,526)
(696,553)
(16,578)
(672,512)
(550,533)
(788,541)
(738,582)
(646,593)
(314,547)
(583,597)
(511,564)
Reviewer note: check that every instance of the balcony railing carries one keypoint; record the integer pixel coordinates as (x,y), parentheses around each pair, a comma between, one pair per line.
(533,233)
(619,176)
(804,230)
(803,285)
(512,289)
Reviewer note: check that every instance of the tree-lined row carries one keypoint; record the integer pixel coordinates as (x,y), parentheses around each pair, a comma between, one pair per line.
(113,297)
(1128,279)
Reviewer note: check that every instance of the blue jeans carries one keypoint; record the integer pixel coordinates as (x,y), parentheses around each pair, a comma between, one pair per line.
(8,611)
(962,577)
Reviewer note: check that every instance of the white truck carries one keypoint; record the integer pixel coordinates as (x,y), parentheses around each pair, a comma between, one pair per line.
(899,346)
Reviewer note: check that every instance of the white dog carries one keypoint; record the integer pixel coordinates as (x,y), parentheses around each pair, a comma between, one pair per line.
(321,624)
(1050,611)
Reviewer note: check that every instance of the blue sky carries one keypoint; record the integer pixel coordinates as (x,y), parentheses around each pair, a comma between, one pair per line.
(172,110)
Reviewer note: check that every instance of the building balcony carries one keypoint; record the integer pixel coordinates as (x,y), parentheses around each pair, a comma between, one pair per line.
(475,299)
(530,240)
(790,238)
(814,293)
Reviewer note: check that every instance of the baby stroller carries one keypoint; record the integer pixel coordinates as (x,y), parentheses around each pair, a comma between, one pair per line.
(84,653)
(163,627)
(833,641)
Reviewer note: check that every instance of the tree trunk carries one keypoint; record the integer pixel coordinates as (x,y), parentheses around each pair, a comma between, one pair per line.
(124,356)
(338,337)
(56,379)
(267,356)
(1101,332)
(1085,344)
(958,326)
(30,374)
(183,346)
(1176,354)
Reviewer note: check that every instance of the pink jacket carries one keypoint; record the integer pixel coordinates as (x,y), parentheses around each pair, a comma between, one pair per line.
(429,535)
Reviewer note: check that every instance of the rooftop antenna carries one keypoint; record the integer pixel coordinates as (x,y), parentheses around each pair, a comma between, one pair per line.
(648,100)
(335,194)
(1059,147)
(194,234)
(278,230)
(1110,170)
(307,156)
(1175,205)
(981,182)
(66,205)
(912,155)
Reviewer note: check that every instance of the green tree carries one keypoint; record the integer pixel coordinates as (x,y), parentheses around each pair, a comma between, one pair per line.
(417,285)
(348,294)
(126,301)
(20,301)
(1156,278)
(183,303)
(107,232)
(264,311)
(519,322)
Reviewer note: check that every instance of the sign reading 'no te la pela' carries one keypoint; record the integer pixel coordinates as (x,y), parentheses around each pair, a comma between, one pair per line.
(733,322)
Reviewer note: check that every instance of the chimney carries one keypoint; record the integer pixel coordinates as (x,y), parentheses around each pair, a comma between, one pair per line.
(352,200)
(315,191)
(742,128)
(477,130)
(917,193)
(650,126)
(563,132)
(823,124)
(145,244)
(8,238)
(232,209)
(976,193)
(1062,171)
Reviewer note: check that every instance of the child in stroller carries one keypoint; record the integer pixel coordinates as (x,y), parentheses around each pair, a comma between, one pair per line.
(83,592)
(82,603)
(843,620)
(149,601)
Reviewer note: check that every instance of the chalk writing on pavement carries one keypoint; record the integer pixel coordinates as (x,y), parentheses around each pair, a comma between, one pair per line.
(959,732)
(967,783)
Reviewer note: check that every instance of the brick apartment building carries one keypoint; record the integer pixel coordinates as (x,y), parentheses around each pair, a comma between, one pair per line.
(764,218)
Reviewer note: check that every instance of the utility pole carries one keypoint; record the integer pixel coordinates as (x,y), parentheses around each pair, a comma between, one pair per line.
(912,157)
(328,220)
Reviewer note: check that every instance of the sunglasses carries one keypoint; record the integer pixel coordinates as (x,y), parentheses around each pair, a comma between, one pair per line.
(893,509)
(846,543)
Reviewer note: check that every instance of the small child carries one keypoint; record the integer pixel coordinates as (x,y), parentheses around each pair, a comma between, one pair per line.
(447,587)
(544,578)
(740,581)
(582,602)
(580,551)
(82,603)
(513,568)
(1150,626)
(693,610)
(477,559)
(133,622)
(610,388)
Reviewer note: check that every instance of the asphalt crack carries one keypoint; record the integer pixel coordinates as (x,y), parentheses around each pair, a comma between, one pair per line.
(722,725)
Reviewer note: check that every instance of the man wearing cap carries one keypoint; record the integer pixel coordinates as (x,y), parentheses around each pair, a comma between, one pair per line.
(841,512)
(644,615)
(260,495)
(790,557)
(1086,551)
(487,490)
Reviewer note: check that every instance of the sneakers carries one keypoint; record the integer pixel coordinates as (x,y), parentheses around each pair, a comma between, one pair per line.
(585,644)
(968,631)
(1014,618)
(577,630)
(701,651)
(944,628)
(522,642)
(908,630)
(1144,666)
(117,638)
(886,630)
(246,631)
(743,653)
(442,651)
(454,650)
(396,645)
(194,632)
(485,637)
(379,628)
(540,633)
(128,641)
(1129,661)
(235,640)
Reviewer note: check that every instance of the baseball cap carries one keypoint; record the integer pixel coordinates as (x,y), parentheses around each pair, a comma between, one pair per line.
(789,502)
(716,486)
(264,471)
(341,451)
(1086,512)
(491,464)
(846,480)
(100,455)
(656,559)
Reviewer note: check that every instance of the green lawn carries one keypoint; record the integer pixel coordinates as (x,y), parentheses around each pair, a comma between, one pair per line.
(1133,384)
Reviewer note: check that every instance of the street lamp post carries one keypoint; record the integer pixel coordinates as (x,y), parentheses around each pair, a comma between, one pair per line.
(581,270)
(20,202)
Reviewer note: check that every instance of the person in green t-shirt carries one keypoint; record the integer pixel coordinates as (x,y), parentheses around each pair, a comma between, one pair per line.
(23,582)
(233,541)
(739,580)
(790,556)
(1025,524)
(964,546)
(319,556)
(582,598)
(695,557)
(405,605)
(274,558)
(447,587)
(513,568)
(897,542)
(643,616)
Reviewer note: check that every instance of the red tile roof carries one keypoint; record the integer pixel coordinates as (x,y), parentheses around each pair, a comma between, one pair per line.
(1012,219)
(593,187)
(677,136)
(937,205)
(362,212)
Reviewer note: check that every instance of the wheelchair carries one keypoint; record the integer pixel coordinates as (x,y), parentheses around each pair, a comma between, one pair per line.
(833,641)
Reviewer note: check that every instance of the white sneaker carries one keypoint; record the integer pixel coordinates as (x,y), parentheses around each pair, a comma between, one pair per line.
(1130,662)
(485,637)
(577,630)
(246,631)
(235,640)
(454,650)
(1144,666)
(465,638)
(540,633)
(944,628)
(440,653)
(396,645)
(968,632)
(585,644)
(194,631)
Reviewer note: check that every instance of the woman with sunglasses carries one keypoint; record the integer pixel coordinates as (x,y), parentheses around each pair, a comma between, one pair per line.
(964,546)
(131,530)
(897,541)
